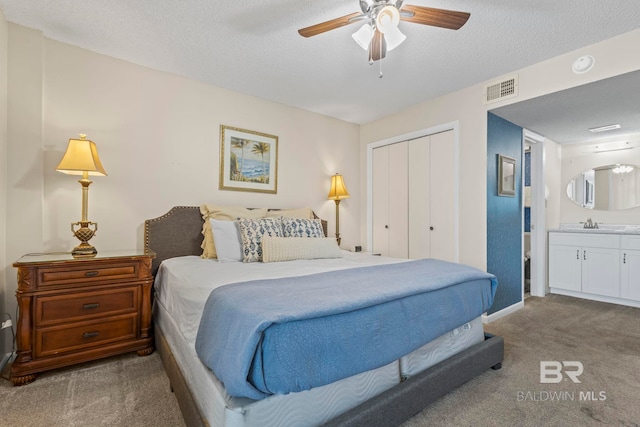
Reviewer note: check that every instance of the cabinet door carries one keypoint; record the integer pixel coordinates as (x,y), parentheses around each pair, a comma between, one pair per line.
(565,267)
(601,271)
(630,275)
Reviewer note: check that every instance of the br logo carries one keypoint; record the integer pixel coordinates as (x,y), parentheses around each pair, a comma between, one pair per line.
(552,371)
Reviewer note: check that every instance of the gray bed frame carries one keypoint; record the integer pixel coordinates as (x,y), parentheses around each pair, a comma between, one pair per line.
(178,233)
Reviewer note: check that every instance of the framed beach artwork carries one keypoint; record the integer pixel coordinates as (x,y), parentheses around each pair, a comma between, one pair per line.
(248,160)
(506,176)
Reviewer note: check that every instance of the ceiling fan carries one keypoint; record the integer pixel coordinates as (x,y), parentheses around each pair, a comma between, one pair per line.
(380,32)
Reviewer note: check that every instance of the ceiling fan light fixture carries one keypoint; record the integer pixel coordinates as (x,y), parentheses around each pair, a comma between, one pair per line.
(394,38)
(363,36)
(387,19)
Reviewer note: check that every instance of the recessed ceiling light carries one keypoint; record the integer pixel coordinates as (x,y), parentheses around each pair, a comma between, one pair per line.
(583,64)
(605,128)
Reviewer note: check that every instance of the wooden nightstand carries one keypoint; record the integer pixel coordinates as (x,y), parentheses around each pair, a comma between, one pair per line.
(76,310)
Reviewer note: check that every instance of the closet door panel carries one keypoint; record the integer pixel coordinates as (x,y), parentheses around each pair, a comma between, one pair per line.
(419,196)
(442,201)
(380,195)
(398,201)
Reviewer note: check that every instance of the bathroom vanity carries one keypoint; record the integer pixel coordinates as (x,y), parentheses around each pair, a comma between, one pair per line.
(601,264)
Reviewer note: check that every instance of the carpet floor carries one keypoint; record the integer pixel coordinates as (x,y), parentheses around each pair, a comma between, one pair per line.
(605,338)
(125,390)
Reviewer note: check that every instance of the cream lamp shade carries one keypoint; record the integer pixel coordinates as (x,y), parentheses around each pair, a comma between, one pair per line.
(337,192)
(81,158)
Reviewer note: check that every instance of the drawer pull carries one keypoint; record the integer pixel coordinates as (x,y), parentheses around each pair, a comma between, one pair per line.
(90,334)
(91,273)
(91,306)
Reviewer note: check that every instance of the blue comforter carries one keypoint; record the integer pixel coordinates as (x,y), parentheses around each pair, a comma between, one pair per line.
(278,336)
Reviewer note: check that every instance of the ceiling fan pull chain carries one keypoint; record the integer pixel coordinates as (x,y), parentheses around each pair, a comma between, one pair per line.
(381,57)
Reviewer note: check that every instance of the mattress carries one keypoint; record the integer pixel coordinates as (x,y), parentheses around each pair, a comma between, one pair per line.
(177,311)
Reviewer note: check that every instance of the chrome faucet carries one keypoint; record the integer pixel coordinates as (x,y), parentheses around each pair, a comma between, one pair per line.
(590,224)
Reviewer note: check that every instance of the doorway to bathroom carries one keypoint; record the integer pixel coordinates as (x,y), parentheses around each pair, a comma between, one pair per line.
(533,221)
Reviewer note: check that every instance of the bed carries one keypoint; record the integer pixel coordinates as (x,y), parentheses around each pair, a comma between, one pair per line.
(383,395)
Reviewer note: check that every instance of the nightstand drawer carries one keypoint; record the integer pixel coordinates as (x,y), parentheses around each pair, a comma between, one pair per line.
(83,306)
(51,341)
(85,275)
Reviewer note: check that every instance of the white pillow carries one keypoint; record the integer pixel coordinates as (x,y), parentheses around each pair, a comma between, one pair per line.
(227,240)
(291,248)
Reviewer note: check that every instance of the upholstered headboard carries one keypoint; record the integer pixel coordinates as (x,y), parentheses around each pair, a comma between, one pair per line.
(178,233)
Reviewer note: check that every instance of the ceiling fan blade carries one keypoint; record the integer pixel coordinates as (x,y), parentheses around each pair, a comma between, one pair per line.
(378,47)
(443,18)
(322,27)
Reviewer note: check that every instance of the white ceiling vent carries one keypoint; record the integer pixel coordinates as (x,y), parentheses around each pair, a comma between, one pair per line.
(503,89)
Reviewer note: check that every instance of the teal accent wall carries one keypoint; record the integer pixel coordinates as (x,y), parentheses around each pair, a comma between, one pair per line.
(504,214)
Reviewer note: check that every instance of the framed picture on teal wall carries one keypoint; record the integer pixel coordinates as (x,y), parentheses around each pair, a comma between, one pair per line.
(506,176)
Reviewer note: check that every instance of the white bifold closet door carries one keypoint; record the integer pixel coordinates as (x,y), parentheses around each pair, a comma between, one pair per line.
(390,195)
(413,198)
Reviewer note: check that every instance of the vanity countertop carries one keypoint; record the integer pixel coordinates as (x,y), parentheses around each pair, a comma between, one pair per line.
(602,229)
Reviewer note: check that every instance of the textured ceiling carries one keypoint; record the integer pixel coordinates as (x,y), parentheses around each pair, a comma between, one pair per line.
(253,46)
(565,117)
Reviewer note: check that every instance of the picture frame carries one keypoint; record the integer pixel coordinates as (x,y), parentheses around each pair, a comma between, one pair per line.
(248,160)
(506,176)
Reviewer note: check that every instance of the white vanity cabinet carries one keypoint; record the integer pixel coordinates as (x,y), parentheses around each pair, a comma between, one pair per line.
(600,266)
(630,267)
(584,262)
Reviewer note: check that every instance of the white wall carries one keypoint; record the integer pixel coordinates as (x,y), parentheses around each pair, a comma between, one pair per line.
(5,336)
(552,168)
(158,138)
(614,56)
(24,206)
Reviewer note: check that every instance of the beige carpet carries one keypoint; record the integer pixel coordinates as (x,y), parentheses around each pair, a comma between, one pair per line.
(605,338)
(134,391)
(124,390)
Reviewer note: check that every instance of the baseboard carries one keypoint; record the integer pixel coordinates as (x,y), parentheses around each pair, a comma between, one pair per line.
(505,311)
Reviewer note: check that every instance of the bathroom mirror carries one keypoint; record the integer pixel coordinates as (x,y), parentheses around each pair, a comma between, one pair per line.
(606,188)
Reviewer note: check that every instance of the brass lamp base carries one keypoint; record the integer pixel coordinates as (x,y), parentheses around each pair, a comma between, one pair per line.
(84,234)
(84,250)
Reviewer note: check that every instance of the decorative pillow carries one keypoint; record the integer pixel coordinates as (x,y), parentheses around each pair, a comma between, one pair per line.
(252,232)
(298,227)
(276,249)
(226,237)
(228,213)
(305,213)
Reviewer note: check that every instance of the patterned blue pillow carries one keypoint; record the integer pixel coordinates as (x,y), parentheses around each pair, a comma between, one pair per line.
(299,227)
(251,232)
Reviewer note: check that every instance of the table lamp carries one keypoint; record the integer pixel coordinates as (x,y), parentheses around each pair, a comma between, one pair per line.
(81,158)
(337,192)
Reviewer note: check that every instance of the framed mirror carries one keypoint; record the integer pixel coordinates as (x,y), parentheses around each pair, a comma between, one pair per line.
(607,188)
(506,176)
